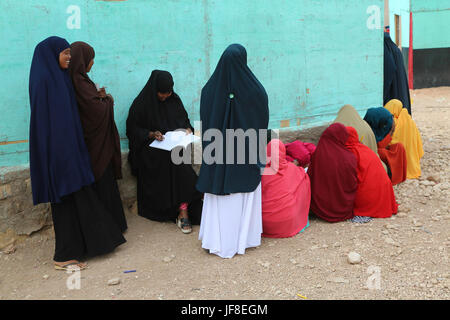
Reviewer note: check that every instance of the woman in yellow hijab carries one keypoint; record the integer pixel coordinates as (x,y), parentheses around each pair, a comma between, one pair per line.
(406,133)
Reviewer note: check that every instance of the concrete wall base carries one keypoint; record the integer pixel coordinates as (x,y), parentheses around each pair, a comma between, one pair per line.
(19,218)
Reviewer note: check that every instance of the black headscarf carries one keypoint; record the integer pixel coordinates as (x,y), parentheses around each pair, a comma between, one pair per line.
(148,113)
(395,78)
(164,82)
(233,98)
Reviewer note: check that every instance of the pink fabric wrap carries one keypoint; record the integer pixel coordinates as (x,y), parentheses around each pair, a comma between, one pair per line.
(300,151)
(286,195)
(184,206)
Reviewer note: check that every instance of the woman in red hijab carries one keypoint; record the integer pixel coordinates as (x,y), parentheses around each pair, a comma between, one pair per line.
(333,176)
(286,194)
(375,196)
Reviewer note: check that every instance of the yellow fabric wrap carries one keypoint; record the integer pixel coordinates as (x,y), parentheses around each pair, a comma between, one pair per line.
(406,133)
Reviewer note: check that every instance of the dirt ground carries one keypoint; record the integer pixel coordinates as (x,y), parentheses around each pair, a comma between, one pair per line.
(408,253)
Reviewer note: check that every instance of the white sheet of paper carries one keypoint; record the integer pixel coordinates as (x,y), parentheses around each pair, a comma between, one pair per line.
(174,139)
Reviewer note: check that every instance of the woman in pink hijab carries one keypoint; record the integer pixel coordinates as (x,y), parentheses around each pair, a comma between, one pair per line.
(286,194)
(299,152)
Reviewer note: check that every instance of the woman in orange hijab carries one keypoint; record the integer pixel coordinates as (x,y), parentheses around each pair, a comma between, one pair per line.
(375,196)
(286,194)
(392,154)
(408,135)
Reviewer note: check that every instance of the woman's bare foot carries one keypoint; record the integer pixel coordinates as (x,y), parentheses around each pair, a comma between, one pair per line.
(70,264)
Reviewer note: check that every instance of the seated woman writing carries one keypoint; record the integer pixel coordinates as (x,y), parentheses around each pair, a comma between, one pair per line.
(408,135)
(375,196)
(165,191)
(392,154)
(286,195)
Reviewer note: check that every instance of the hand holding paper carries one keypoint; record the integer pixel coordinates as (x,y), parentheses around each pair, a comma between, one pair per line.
(174,139)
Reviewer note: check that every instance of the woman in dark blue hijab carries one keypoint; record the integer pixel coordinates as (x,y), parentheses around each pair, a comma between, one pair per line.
(59,161)
(233,99)
(380,120)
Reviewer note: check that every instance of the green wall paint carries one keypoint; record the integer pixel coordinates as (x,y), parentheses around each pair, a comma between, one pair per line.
(312,56)
(431,22)
(429,5)
(432,29)
(401,8)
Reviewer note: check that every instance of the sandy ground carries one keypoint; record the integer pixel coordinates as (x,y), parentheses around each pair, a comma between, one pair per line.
(408,253)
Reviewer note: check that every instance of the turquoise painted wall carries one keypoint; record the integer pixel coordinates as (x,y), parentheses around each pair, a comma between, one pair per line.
(431,20)
(312,56)
(429,5)
(401,8)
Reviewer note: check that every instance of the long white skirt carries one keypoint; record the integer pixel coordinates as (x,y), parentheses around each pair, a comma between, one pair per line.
(231,223)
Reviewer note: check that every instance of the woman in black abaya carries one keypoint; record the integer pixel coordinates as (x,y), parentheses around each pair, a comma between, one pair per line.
(395,78)
(165,191)
(60,169)
(96,110)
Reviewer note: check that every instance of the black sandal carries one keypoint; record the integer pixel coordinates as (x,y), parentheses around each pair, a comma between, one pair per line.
(184,222)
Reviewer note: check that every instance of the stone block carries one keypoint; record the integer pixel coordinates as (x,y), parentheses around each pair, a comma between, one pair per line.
(19,217)
(5,191)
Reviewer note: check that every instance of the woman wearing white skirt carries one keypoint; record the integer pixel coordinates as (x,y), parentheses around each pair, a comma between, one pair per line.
(231,223)
(232,99)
